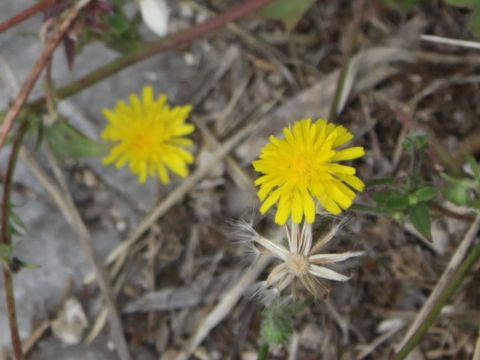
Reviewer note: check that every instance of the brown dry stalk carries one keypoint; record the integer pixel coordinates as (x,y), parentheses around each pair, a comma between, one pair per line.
(37,70)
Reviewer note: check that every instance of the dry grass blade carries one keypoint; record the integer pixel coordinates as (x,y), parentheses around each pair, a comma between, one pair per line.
(70,212)
(238,175)
(223,308)
(476,353)
(35,337)
(453,42)
(444,280)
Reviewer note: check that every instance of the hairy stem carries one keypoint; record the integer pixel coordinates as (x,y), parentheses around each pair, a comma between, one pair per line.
(5,240)
(37,70)
(25,14)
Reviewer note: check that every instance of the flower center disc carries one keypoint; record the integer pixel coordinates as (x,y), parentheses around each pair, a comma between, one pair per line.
(298,264)
(302,166)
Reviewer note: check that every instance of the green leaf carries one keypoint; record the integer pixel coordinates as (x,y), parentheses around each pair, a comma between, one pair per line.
(474,21)
(457,192)
(416,140)
(426,193)
(118,23)
(17,264)
(5,252)
(474,204)
(475,168)
(277,320)
(393,200)
(287,11)
(463,3)
(420,218)
(16,220)
(66,142)
(404,5)
(122,35)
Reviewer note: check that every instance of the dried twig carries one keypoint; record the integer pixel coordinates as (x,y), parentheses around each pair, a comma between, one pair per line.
(71,214)
(450,41)
(37,70)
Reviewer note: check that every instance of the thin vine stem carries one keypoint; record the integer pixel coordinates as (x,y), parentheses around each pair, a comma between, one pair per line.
(37,69)
(467,265)
(25,14)
(6,240)
(176,40)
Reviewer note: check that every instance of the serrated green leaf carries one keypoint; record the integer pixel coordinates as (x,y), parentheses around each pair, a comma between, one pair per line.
(426,193)
(122,34)
(66,142)
(420,218)
(287,11)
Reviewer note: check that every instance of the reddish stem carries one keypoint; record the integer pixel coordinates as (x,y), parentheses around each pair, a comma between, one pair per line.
(25,14)
(176,40)
(37,70)
(5,240)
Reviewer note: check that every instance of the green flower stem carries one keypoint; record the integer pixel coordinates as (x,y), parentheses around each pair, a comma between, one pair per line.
(5,240)
(178,39)
(263,352)
(464,269)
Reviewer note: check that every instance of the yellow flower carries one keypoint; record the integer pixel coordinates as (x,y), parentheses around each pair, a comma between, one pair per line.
(150,136)
(302,167)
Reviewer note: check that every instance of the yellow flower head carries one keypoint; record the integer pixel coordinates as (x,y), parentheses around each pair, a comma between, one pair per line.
(150,136)
(302,167)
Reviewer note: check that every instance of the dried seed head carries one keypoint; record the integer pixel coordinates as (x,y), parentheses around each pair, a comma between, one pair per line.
(298,264)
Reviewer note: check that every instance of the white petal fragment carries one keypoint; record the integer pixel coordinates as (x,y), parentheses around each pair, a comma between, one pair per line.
(276,249)
(326,273)
(277,274)
(333,258)
(155,14)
